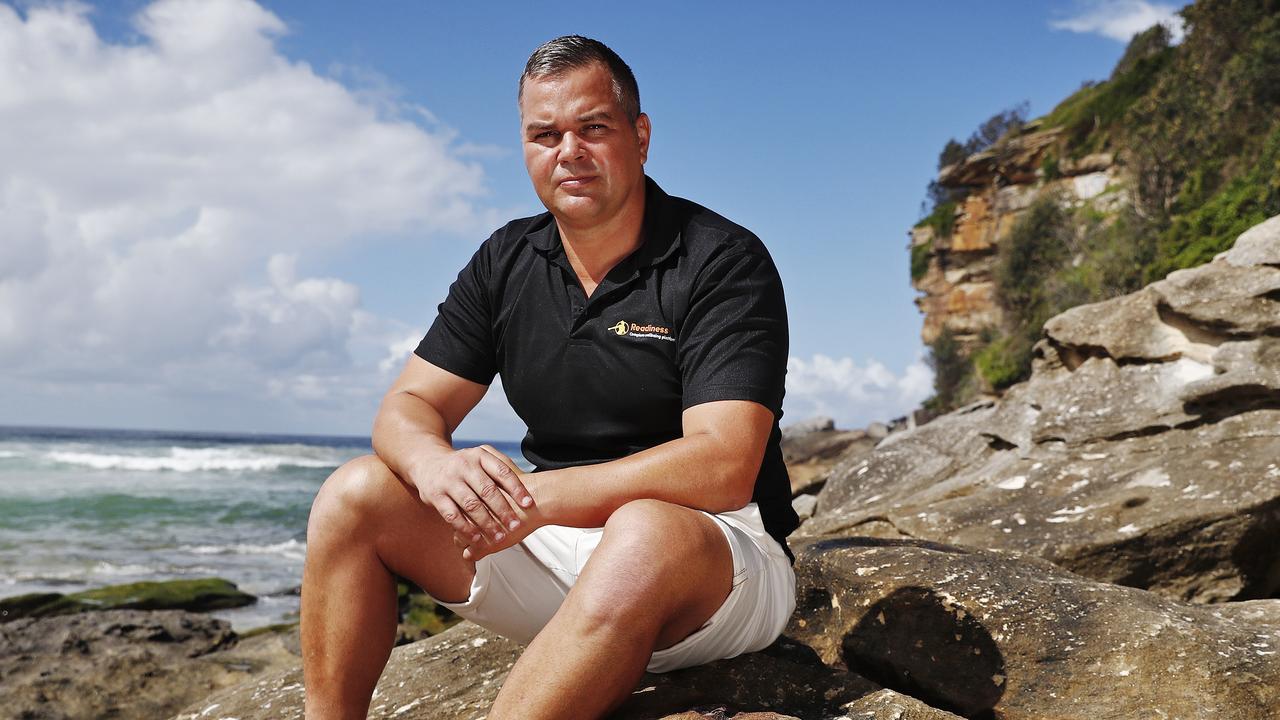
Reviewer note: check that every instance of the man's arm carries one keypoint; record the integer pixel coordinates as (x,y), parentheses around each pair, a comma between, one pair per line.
(712,467)
(473,489)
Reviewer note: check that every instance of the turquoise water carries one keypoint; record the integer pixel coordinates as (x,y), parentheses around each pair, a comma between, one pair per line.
(85,508)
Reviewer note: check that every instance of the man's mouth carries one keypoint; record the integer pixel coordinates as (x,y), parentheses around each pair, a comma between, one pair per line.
(576,181)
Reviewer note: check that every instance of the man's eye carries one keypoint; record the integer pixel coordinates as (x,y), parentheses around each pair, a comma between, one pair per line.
(546,135)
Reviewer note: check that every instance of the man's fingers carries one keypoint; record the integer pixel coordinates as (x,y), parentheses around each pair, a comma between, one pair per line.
(453,515)
(508,476)
(490,492)
(482,501)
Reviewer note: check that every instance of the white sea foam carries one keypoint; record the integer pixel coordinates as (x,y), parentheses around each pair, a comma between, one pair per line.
(289,548)
(180,459)
(9,454)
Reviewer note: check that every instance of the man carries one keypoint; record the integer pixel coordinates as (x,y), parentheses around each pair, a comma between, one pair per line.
(643,340)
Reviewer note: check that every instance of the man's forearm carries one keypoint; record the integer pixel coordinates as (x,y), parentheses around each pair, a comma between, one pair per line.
(696,471)
(407,430)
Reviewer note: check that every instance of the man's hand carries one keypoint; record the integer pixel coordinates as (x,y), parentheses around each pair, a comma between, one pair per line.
(477,491)
(529,518)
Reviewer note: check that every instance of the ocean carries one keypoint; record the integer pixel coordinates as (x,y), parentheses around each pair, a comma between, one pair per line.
(84,508)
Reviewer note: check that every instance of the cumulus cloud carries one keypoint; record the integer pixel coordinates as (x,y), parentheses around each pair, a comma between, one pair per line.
(159,200)
(854,395)
(1122,19)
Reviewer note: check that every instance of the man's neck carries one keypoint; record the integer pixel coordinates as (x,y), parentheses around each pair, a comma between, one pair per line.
(594,251)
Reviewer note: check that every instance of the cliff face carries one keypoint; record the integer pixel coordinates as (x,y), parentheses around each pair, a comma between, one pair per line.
(1156,169)
(957,286)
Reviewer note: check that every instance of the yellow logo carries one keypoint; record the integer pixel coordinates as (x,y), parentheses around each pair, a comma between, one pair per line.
(636,330)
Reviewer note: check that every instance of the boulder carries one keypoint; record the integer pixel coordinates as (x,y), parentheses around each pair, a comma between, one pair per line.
(1142,451)
(994,634)
(126,664)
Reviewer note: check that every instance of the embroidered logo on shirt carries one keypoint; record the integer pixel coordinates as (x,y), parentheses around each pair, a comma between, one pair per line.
(622,327)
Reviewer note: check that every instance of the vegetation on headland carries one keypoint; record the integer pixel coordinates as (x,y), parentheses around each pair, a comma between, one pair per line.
(1196,127)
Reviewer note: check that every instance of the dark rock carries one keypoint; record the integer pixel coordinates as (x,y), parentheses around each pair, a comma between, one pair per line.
(988,634)
(126,664)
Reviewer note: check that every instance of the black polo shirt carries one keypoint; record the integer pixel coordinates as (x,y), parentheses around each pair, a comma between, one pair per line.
(695,314)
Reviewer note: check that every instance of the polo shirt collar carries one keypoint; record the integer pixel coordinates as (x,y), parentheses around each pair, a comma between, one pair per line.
(661,231)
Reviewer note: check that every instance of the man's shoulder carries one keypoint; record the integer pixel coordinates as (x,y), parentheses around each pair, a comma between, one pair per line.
(518,233)
(708,235)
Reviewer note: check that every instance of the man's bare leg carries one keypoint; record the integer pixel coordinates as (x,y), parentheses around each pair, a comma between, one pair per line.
(366,524)
(659,573)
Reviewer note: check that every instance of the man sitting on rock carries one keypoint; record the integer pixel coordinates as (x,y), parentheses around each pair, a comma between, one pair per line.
(643,340)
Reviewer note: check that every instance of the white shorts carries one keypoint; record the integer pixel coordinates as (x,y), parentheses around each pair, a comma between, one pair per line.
(516,591)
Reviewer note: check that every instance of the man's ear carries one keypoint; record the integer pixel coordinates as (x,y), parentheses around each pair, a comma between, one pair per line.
(643,128)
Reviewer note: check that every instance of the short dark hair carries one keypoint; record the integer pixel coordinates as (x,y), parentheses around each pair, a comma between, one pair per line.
(571,52)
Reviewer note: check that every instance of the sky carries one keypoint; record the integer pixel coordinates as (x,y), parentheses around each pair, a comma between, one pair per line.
(230,215)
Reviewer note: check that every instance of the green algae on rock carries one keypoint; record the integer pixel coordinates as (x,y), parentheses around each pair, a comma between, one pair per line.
(201,595)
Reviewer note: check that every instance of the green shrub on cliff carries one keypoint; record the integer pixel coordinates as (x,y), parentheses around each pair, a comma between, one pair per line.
(953,382)
(920,259)
(1196,130)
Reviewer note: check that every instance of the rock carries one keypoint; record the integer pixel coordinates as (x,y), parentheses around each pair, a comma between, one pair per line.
(877,431)
(1142,451)
(811,447)
(804,506)
(992,634)
(124,663)
(456,675)
(1259,245)
(804,427)
(202,595)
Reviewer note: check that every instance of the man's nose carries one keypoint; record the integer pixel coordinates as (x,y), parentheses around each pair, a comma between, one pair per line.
(570,147)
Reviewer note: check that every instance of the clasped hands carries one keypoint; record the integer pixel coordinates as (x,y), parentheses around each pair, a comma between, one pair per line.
(481,494)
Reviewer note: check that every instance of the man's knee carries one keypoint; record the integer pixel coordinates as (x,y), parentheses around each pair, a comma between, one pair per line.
(661,532)
(651,562)
(354,493)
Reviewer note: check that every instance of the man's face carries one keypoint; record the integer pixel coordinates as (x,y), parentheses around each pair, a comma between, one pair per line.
(584,156)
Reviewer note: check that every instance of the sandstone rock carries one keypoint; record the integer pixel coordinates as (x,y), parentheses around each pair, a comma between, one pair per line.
(124,663)
(458,673)
(1259,245)
(1144,450)
(804,505)
(989,634)
(810,448)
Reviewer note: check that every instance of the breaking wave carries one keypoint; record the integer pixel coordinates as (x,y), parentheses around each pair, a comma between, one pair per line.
(181,459)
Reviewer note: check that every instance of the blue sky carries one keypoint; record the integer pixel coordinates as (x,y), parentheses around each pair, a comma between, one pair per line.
(237,216)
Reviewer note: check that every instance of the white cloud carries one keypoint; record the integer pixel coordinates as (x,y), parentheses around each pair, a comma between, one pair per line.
(159,201)
(1122,19)
(851,394)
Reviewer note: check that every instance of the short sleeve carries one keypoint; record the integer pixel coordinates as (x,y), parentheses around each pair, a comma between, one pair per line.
(461,338)
(733,341)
